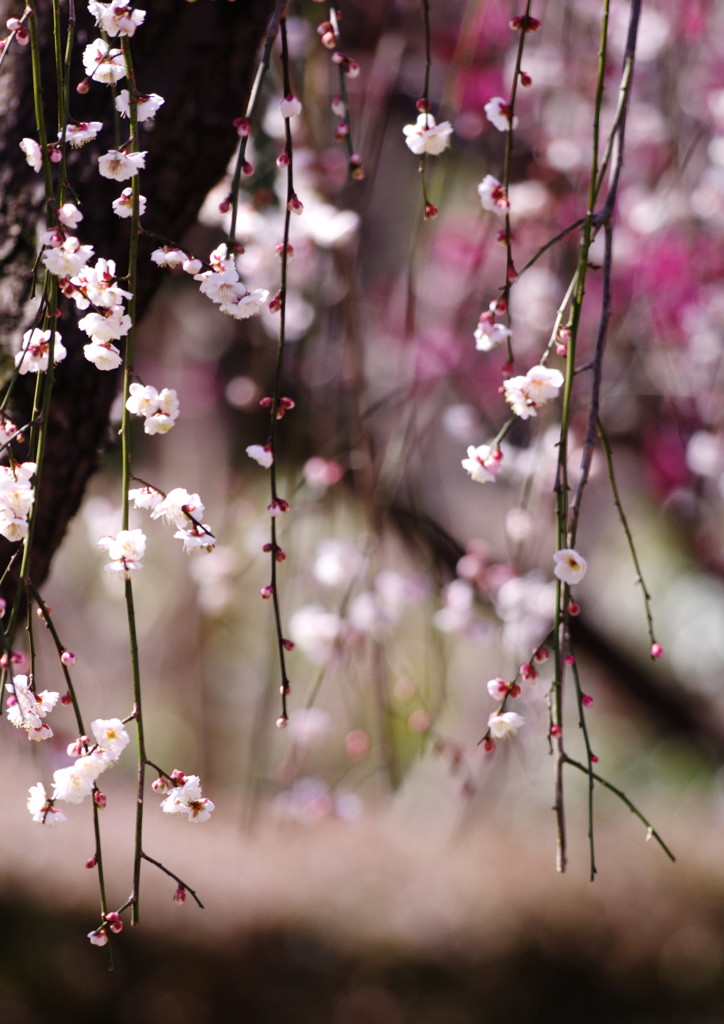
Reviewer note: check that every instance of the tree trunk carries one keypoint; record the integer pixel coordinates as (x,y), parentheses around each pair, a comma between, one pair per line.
(201,58)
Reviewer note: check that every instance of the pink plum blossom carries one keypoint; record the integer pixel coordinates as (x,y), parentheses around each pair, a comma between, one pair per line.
(569,566)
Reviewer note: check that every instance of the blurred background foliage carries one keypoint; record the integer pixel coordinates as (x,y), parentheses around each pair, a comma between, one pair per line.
(371,863)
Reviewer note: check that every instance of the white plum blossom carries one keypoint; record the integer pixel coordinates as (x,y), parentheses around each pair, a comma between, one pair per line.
(67,258)
(159,408)
(111,737)
(98,286)
(104,327)
(124,551)
(169,256)
(27,709)
(425,136)
(261,453)
(527,394)
(146,106)
(247,305)
(93,764)
(123,206)
(33,154)
(290,106)
(80,132)
(493,196)
(103,64)
(7,429)
(178,506)
(569,566)
(186,799)
(183,510)
(74,783)
(482,463)
(41,808)
(120,166)
(116,18)
(34,352)
(16,499)
(488,334)
(497,112)
(223,286)
(196,538)
(69,215)
(145,497)
(504,723)
(103,355)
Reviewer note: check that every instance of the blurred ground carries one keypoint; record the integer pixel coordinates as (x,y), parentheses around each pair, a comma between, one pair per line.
(393,918)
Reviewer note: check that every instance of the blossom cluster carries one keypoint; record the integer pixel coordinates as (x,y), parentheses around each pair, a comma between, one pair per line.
(124,551)
(483,463)
(183,796)
(16,499)
(159,409)
(89,286)
(34,353)
(488,334)
(224,287)
(181,509)
(74,783)
(26,709)
(526,394)
(117,18)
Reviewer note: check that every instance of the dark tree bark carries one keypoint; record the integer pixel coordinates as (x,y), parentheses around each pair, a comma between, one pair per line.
(201,58)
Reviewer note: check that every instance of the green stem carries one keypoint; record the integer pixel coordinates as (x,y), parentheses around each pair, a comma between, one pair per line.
(608,455)
(128,371)
(631,806)
(261,72)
